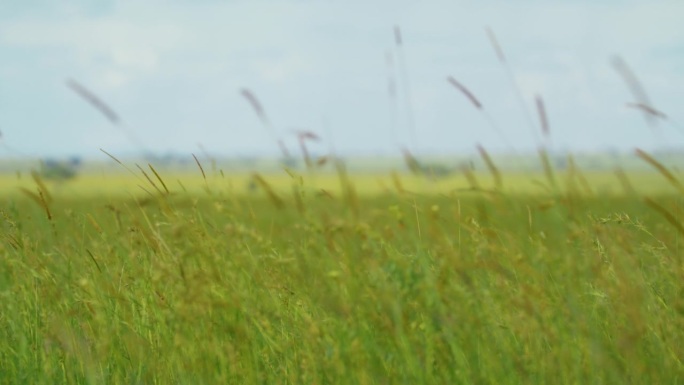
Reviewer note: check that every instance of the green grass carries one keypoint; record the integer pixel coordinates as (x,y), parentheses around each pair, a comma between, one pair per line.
(437,285)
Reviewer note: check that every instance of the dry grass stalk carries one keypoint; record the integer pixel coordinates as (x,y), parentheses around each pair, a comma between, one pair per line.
(272,196)
(181,185)
(397,183)
(42,188)
(299,202)
(470,177)
(624,181)
(92,257)
(648,109)
(348,188)
(105,110)
(261,114)
(476,103)
(39,199)
(159,178)
(95,101)
(543,119)
(207,155)
(579,175)
(635,87)
(511,78)
(204,176)
(94,223)
(465,91)
(302,137)
(144,202)
(149,179)
(256,105)
(411,162)
(491,166)
(661,169)
(548,168)
(495,44)
(121,164)
(666,214)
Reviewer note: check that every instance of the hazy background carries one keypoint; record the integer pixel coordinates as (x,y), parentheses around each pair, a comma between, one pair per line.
(173,70)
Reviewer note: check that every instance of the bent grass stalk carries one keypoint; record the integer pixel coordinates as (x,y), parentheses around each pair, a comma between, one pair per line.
(261,114)
(104,109)
(543,119)
(478,105)
(270,192)
(514,83)
(661,169)
(166,190)
(638,91)
(498,182)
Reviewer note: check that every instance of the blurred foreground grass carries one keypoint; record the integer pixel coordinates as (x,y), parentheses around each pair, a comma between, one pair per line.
(379,280)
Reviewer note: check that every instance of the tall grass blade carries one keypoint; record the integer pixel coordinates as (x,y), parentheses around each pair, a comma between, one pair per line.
(543,118)
(666,214)
(272,196)
(94,101)
(204,176)
(548,169)
(511,78)
(159,178)
(635,87)
(498,182)
(661,169)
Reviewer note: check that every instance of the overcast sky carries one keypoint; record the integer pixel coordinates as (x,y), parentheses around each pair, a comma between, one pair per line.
(173,70)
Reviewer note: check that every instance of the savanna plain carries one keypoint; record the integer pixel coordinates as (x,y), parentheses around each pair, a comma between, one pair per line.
(300,277)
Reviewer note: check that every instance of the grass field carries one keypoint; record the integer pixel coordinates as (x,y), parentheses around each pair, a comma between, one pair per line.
(334,279)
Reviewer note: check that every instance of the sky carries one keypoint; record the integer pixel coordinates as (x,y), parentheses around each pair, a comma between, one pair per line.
(173,72)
